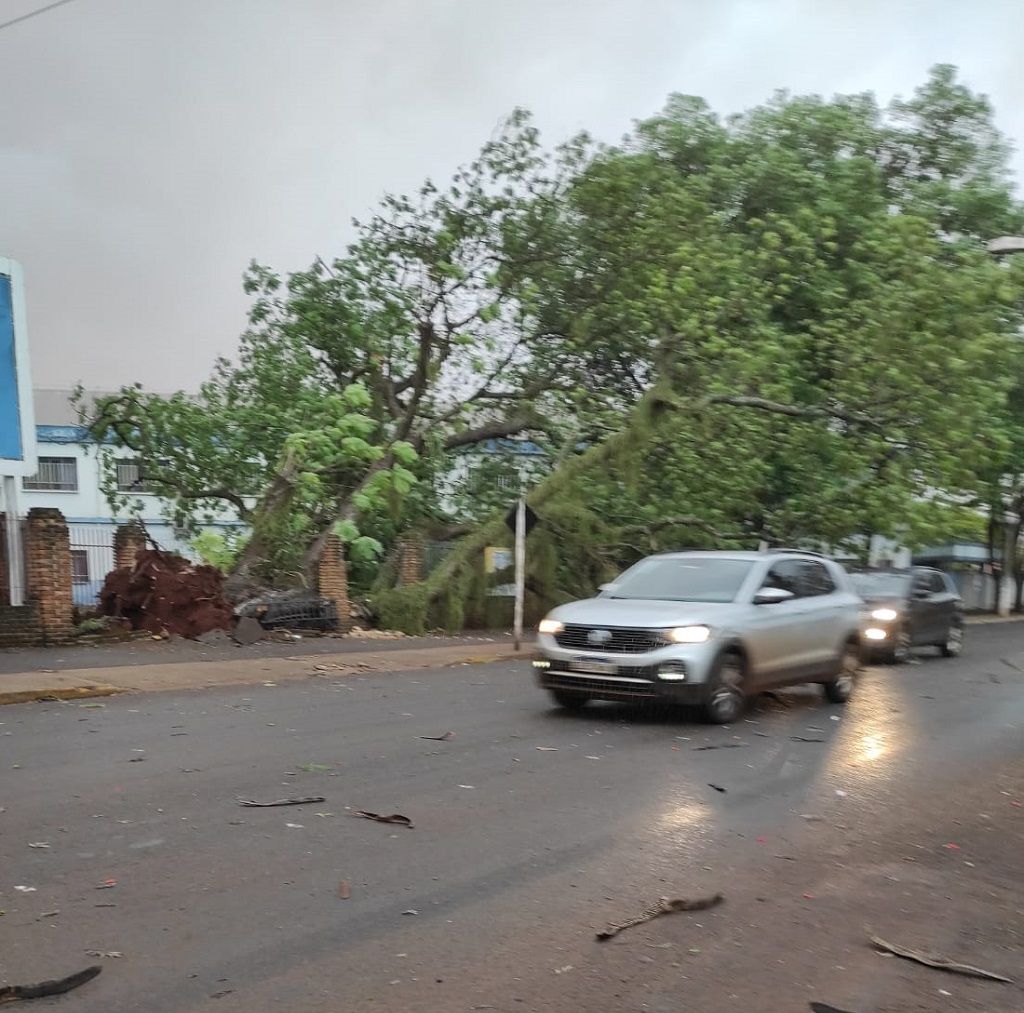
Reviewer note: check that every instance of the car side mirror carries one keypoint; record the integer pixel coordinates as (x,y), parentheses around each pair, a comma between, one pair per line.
(607,588)
(920,592)
(772,596)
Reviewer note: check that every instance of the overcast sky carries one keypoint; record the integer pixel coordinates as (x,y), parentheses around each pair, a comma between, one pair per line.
(150,148)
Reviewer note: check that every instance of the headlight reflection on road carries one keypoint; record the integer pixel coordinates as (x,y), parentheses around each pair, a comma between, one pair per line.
(870,748)
(679,815)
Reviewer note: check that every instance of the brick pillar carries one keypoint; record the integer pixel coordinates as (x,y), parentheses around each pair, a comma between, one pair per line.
(410,560)
(48,570)
(332,578)
(129,540)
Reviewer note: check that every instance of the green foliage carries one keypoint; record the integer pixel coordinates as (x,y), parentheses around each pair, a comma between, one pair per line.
(403,608)
(783,326)
(217,549)
(806,333)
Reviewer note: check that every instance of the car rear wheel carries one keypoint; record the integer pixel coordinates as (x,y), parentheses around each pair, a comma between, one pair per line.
(954,642)
(840,689)
(568,700)
(726,697)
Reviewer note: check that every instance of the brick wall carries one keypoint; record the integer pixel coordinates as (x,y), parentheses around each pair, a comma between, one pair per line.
(48,571)
(129,540)
(332,579)
(19,625)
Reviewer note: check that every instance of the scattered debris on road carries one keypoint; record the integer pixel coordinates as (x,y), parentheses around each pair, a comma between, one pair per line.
(49,914)
(377,817)
(25,889)
(58,986)
(38,844)
(720,745)
(937,962)
(411,911)
(716,787)
(664,906)
(253,804)
(112,954)
(823,1007)
(344,890)
(547,749)
(804,738)
(447,737)
(107,884)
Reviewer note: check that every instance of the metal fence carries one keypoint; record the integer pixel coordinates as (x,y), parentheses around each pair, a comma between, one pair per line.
(92,558)
(434,554)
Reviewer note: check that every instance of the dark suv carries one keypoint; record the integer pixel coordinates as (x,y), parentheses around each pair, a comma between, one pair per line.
(907,609)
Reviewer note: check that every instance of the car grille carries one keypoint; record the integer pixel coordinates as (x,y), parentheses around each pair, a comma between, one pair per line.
(598,686)
(623,639)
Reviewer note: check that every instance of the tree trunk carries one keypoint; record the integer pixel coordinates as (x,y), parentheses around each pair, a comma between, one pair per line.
(997,574)
(270,509)
(595,459)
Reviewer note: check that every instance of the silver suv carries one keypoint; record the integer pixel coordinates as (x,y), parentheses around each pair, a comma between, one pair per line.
(706,628)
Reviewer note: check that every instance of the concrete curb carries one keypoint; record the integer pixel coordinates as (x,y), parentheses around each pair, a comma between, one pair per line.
(56,693)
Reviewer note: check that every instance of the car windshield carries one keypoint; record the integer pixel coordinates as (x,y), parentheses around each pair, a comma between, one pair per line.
(880,585)
(694,578)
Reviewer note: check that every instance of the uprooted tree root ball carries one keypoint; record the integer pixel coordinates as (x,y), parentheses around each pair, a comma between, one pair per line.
(165,593)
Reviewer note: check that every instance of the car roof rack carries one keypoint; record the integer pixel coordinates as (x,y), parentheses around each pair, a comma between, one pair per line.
(802,552)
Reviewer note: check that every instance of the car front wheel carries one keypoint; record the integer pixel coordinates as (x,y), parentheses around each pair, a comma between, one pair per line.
(840,689)
(726,697)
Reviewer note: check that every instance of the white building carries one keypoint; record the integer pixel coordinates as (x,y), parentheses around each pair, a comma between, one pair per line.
(70,477)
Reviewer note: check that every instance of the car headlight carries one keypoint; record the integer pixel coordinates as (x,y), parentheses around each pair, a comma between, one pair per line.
(874,633)
(689,634)
(551,626)
(885,615)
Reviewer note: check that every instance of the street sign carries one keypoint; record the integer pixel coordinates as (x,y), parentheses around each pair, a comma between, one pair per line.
(531,519)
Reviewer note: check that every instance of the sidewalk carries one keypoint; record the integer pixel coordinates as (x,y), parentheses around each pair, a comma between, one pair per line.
(80,683)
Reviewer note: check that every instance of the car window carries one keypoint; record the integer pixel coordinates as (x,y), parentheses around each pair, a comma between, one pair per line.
(788,575)
(875,584)
(816,579)
(922,582)
(683,578)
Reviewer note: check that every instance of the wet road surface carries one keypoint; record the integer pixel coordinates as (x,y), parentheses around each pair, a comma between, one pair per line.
(533,829)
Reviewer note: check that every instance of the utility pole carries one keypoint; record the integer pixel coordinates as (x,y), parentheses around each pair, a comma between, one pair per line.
(520,560)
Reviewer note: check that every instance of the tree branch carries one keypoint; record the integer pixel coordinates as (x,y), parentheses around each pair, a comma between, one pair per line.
(244,513)
(490,431)
(797,411)
(686,521)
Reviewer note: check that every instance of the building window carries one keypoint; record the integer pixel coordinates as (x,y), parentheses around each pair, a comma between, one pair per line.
(58,474)
(79,566)
(130,478)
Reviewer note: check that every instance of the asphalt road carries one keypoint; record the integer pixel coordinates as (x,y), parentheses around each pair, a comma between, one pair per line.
(533,829)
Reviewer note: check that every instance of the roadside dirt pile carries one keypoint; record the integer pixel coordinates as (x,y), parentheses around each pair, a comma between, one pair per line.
(167,595)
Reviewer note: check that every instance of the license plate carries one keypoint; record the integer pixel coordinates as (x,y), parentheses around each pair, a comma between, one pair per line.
(589,667)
